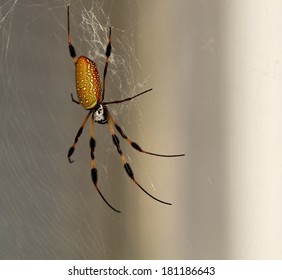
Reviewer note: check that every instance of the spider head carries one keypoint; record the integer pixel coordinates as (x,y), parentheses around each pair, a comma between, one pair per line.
(100,115)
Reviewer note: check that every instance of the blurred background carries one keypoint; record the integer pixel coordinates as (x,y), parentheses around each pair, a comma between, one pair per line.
(215,69)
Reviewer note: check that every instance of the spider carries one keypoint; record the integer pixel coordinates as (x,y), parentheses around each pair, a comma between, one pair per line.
(91,95)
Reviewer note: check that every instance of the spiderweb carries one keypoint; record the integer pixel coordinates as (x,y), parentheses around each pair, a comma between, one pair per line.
(47,212)
(49,208)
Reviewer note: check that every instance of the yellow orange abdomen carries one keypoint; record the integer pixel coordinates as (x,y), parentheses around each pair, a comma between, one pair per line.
(88,84)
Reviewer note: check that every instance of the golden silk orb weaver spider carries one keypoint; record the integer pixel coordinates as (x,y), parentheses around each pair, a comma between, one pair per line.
(91,95)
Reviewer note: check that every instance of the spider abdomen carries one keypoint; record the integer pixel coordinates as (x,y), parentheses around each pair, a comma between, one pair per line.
(88,85)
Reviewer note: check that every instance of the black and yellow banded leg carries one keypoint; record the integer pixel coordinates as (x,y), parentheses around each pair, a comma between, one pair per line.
(72,148)
(94,173)
(126,165)
(71,47)
(107,53)
(135,145)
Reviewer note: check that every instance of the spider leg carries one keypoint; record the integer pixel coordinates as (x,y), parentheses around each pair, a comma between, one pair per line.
(71,47)
(134,144)
(108,53)
(94,173)
(126,165)
(71,149)
(126,99)
(73,100)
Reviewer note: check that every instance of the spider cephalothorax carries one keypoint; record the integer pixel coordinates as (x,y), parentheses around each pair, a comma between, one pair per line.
(100,115)
(90,95)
